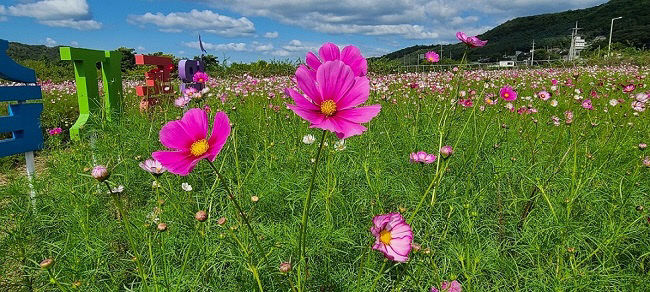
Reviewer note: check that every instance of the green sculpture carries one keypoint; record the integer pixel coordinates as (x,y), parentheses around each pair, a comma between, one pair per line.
(85,72)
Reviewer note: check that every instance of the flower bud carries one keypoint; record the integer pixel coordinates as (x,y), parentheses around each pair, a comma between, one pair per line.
(285,267)
(201,216)
(100,173)
(46,263)
(221,221)
(162,227)
(446,151)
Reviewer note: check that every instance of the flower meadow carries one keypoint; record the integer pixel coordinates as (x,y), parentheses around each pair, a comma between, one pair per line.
(338,179)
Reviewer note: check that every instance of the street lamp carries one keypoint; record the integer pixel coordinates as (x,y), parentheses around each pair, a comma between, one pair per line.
(611,28)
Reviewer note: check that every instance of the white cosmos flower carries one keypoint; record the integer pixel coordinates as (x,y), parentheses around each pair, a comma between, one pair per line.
(186,187)
(308,139)
(339,145)
(554,103)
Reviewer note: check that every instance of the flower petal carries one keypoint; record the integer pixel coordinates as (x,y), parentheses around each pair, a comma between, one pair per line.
(360,114)
(219,135)
(195,123)
(357,95)
(301,101)
(177,162)
(329,52)
(174,136)
(334,80)
(306,83)
(351,55)
(312,61)
(312,116)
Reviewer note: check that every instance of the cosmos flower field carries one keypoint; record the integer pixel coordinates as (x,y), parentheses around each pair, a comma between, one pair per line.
(491,180)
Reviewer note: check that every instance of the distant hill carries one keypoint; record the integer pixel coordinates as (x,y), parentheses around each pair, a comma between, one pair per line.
(22,52)
(553,31)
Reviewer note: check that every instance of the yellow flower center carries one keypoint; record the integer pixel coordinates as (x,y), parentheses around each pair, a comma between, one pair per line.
(199,147)
(384,237)
(328,107)
(506,95)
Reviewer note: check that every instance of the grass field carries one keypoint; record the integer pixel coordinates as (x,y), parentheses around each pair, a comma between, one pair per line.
(528,201)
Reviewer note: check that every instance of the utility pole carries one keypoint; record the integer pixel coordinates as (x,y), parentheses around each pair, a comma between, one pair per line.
(532,54)
(611,28)
(441,55)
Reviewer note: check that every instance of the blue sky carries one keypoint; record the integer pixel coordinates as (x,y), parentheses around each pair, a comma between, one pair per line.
(248,30)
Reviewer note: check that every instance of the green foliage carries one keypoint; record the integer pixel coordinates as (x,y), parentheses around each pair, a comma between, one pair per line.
(553,31)
(584,232)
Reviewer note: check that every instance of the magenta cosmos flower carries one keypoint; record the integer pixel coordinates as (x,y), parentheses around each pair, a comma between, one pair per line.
(54,131)
(393,236)
(470,41)
(432,57)
(350,55)
(188,137)
(200,77)
(331,99)
(507,93)
(422,157)
(445,286)
(586,104)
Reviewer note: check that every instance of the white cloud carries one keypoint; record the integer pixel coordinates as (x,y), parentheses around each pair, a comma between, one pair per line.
(437,20)
(50,42)
(74,43)
(271,35)
(259,47)
(196,20)
(76,24)
(140,49)
(58,13)
(280,53)
(238,47)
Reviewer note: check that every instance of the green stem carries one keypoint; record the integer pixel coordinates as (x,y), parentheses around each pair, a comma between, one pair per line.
(53,280)
(238,207)
(381,272)
(127,227)
(305,210)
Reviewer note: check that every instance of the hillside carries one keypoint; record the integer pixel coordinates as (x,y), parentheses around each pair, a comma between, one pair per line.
(553,31)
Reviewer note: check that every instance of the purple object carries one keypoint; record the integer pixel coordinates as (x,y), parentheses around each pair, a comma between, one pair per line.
(186,71)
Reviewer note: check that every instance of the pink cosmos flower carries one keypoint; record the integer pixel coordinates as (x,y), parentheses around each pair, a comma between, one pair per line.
(182,101)
(646,162)
(393,236)
(466,102)
(188,137)
(432,57)
(629,88)
(446,151)
(507,93)
(471,41)
(54,131)
(445,286)
(638,106)
(544,95)
(330,100)
(641,97)
(350,55)
(200,77)
(190,91)
(153,166)
(586,104)
(422,157)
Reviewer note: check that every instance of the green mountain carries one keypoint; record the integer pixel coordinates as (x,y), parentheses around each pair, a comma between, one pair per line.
(552,31)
